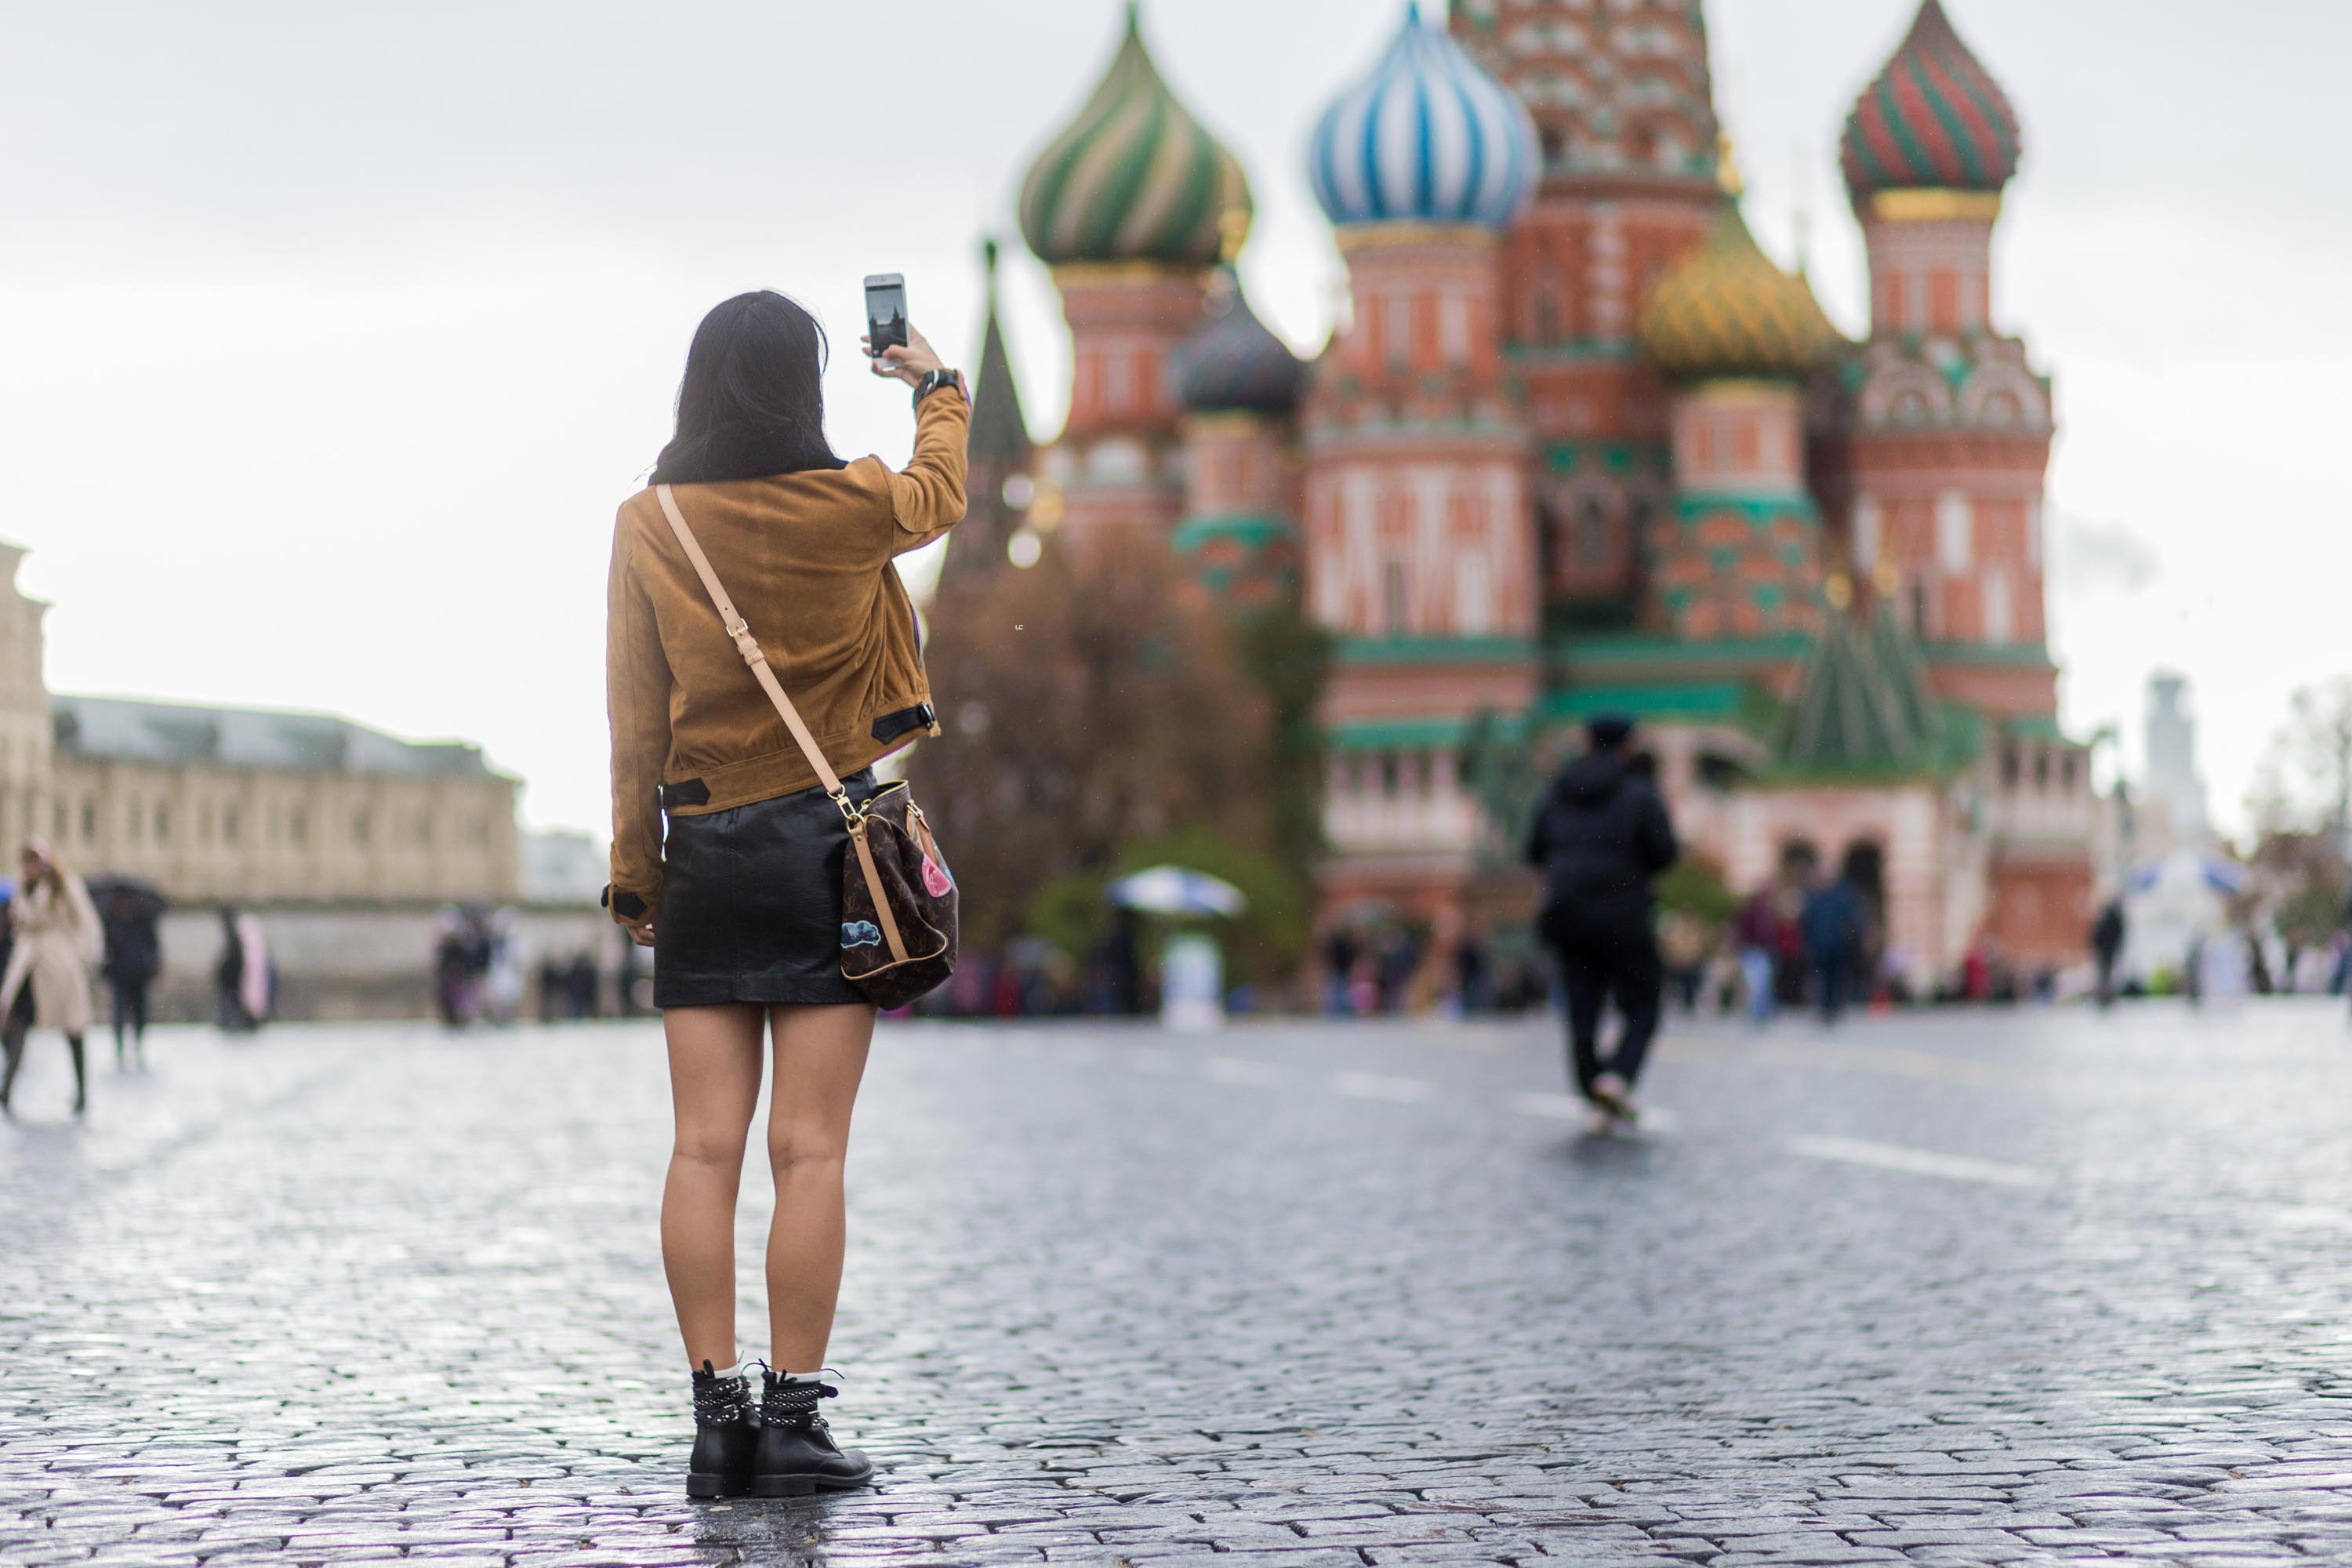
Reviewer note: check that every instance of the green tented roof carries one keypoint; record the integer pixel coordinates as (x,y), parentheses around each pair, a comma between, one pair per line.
(1862,708)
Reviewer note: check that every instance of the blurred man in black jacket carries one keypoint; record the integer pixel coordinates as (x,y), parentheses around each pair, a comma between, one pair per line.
(1600,835)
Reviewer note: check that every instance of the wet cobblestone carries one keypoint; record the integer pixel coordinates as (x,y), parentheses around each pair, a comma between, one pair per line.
(371,1294)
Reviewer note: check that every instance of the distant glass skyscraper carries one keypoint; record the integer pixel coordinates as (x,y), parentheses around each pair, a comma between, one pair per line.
(2172,776)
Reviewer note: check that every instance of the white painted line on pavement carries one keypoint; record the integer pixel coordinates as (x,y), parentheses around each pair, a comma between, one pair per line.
(1918,1162)
(1240,1069)
(1372,1085)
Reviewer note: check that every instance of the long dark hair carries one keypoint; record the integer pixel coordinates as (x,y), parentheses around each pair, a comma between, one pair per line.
(753,402)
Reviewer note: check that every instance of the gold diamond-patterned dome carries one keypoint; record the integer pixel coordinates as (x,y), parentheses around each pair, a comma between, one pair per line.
(1730,311)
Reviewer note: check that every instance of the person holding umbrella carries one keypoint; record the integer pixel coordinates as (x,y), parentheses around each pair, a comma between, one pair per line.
(57,939)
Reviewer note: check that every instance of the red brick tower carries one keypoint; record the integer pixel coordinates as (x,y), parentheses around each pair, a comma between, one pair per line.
(1422,555)
(1625,120)
(1738,555)
(1931,471)
(1126,206)
(1240,385)
(1933,478)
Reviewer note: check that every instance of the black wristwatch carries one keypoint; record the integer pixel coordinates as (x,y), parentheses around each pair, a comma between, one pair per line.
(935,379)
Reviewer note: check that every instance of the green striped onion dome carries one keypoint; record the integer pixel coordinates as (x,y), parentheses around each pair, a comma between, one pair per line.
(1934,120)
(1728,310)
(1133,178)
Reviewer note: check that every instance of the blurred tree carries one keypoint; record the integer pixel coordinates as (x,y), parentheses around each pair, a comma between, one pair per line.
(2299,885)
(2305,779)
(1693,885)
(1092,701)
(1287,655)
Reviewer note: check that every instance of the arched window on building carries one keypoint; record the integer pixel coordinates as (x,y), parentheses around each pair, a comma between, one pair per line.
(1591,533)
(1393,607)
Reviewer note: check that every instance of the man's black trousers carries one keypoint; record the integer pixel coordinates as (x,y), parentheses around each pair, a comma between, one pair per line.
(1601,966)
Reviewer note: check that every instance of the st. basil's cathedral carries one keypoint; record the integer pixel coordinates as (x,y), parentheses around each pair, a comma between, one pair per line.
(1581,445)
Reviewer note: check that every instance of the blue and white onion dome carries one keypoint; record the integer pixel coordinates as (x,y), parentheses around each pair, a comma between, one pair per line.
(1429,137)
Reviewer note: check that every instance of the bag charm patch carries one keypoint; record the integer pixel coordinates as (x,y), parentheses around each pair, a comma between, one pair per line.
(935,880)
(860,934)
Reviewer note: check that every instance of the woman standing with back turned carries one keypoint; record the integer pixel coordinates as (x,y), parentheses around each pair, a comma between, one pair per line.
(742,902)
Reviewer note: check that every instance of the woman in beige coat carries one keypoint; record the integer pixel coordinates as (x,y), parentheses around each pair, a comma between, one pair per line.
(58,937)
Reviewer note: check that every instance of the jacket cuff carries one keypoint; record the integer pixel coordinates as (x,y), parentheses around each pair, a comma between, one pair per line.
(629,909)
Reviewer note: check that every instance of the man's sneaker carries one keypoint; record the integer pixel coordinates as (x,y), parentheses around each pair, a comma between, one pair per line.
(726,1435)
(1614,1098)
(797,1453)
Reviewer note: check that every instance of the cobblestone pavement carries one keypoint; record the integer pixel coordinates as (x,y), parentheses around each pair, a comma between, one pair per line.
(1984,1289)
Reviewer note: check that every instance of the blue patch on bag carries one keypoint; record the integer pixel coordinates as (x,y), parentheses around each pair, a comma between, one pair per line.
(860,934)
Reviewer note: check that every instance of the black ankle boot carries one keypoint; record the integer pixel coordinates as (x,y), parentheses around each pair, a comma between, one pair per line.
(797,1454)
(726,1435)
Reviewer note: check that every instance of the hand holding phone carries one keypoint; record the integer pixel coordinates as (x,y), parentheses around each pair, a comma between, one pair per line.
(892,341)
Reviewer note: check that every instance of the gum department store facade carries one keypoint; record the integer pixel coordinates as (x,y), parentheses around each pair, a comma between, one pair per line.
(227,805)
(1580,444)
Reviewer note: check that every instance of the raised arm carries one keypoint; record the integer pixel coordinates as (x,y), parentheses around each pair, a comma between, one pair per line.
(927,496)
(636,699)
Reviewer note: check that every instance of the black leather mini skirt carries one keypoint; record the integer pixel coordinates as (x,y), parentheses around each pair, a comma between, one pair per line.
(751,903)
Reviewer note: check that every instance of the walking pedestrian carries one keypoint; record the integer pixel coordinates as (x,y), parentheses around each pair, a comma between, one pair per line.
(1831,925)
(1600,838)
(57,938)
(1756,931)
(134,956)
(740,901)
(2107,948)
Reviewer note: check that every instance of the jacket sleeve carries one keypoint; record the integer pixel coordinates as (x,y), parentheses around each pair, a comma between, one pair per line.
(1656,832)
(927,496)
(636,699)
(1539,849)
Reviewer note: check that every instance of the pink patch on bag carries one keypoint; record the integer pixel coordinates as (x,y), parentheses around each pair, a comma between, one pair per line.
(935,880)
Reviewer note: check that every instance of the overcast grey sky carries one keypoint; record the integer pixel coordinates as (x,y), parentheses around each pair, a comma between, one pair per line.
(330,335)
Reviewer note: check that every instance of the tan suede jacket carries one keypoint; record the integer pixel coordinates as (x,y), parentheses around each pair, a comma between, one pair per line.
(807,558)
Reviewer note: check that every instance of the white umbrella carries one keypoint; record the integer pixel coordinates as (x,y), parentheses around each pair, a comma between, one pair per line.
(1173,890)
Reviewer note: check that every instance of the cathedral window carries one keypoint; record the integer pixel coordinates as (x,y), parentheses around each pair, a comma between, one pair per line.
(1393,599)
(1473,592)
(88,820)
(1955,530)
(1396,329)
(1865,533)
(1454,329)
(228,824)
(1591,533)
(1999,611)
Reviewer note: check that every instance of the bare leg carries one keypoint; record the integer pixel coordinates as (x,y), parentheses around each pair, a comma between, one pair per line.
(820,1057)
(714,1083)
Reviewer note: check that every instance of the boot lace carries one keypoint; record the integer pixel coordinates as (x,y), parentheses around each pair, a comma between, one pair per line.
(789,1402)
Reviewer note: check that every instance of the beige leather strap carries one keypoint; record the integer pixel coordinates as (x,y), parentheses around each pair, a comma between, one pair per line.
(882,915)
(749,647)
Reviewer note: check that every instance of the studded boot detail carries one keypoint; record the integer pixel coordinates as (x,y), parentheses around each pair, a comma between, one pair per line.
(797,1453)
(726,1435)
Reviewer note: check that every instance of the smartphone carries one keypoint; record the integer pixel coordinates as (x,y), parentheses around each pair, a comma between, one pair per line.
(885,311)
